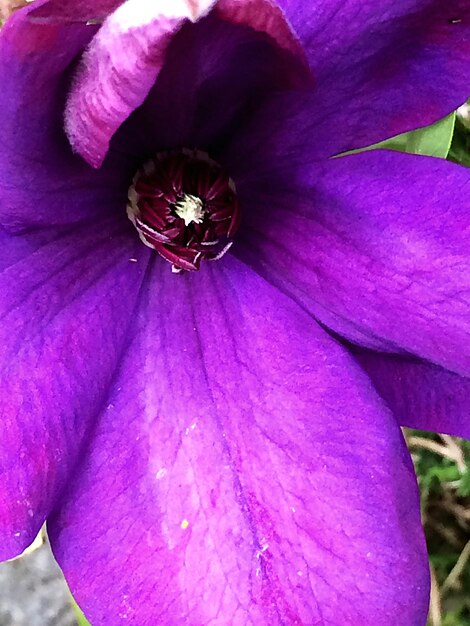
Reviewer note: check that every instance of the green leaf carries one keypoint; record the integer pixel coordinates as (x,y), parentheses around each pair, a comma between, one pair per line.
(432,140)
(464,486)
(460,148)
(81,619)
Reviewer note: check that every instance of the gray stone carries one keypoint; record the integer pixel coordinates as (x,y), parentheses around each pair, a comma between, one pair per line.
(33,592)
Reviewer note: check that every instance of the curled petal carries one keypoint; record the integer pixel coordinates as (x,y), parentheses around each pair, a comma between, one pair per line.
(264,16)
(213,72)
(118,70)
(56,11)
(128,53)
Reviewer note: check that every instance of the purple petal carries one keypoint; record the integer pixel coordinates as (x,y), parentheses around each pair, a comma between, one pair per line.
(38,172)
(421,395)
(221,69)
(375,245)
(244,471)
(64,308)
(127,55)
(16,248)
(118,70)
(262,15)
(382,67)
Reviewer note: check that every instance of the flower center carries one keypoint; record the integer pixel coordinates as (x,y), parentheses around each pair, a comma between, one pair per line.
(185,207)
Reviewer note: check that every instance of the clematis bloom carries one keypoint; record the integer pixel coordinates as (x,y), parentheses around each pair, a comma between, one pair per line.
(220,444)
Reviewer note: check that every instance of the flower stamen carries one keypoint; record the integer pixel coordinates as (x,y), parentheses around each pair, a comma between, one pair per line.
(184,207)
(191,209)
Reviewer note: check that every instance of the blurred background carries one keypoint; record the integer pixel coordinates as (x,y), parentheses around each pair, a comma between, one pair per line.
(443,467)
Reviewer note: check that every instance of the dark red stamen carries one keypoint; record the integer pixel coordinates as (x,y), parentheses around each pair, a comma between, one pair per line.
(184,207)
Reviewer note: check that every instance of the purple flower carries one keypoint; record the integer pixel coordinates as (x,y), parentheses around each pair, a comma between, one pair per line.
(222,447)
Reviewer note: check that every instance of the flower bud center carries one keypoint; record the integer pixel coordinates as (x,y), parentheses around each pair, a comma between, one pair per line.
(190,209)
(185,207)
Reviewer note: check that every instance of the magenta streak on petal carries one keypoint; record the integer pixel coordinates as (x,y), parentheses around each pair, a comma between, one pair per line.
(125,58)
